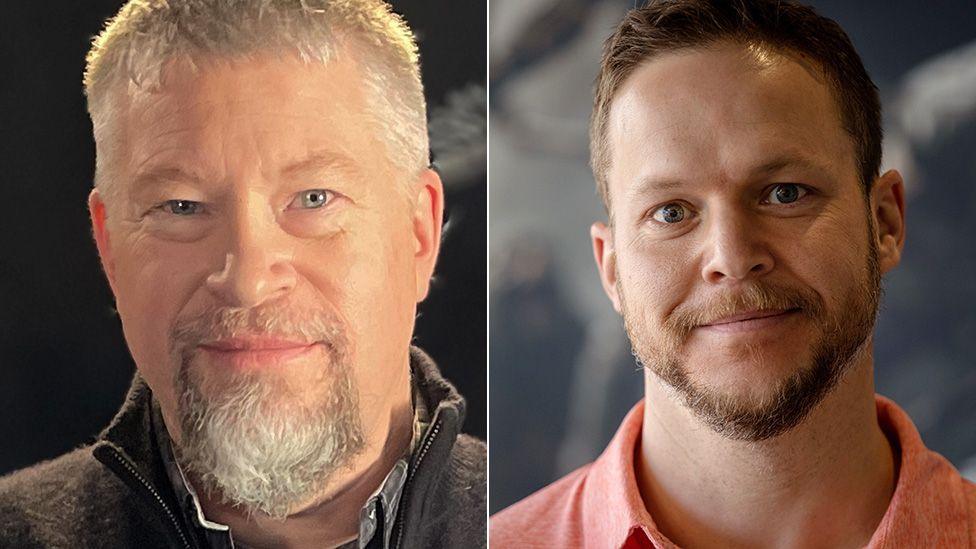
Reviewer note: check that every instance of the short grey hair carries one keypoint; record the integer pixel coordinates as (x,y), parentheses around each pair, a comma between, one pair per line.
(146,34)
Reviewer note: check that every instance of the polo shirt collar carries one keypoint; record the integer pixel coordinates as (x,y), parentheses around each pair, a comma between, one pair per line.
(929,502)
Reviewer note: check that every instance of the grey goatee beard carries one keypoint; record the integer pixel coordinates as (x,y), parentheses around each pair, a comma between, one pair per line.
(264,444)
(783,407)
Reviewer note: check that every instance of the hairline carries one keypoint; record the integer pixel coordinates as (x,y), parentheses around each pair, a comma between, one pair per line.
(601,155)
(109,77)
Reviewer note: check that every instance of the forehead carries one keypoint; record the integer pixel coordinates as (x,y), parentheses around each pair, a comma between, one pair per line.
(720,112)
(276,107)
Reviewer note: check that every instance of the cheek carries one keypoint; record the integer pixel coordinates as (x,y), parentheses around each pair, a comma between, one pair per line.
(655,278)
(369,278)
(154,284)
(367,273)
(830,256)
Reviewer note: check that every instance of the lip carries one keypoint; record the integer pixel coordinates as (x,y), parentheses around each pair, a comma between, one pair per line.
(255,343)
(750,320)
(249,352)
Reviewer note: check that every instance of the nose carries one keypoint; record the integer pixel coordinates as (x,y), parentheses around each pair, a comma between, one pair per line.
(735,250)
(257,263)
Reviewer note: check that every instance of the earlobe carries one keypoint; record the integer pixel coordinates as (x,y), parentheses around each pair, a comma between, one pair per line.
(606,260)
(888,209)
(428,215)
(96,208)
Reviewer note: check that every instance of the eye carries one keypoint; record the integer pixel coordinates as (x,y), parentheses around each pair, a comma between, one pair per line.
(312,198)
(670,213)
(181,207)
(785,193)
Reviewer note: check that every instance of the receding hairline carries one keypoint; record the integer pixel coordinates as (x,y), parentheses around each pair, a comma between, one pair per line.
(764,54)
(145,34)
(196,66)
(346,46)
(125,94)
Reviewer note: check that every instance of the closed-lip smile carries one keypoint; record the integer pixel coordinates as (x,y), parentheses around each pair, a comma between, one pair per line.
(750,320)
(253,343)
(255,351)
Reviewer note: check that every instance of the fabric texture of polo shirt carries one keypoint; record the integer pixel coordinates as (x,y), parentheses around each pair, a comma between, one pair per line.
(599,505)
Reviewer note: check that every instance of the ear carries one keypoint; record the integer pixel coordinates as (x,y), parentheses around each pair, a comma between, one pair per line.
(428,216)
(96,207)
(888,209)
(606,260)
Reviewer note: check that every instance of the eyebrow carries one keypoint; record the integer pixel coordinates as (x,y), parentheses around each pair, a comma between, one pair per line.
(787,161)
(170,174)
(321,161)
(315,162)
(650,184)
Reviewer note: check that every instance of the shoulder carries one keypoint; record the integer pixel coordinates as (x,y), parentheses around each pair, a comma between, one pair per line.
(548,518)
(464,481)
(969,488)
(469,459)
(64,502)
(55,485)
(466,477)
(451,510)
(36,502)
(40,476)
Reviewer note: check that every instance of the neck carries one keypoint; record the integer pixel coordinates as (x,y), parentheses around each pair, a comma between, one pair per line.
(829,479)
(330,518)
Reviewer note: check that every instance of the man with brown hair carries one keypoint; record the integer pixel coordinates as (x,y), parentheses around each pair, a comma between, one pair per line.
(737,148)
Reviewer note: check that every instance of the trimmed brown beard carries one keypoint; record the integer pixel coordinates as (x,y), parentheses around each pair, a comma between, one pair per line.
(843,334)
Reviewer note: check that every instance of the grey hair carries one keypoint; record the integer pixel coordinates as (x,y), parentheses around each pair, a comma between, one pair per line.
(146,34)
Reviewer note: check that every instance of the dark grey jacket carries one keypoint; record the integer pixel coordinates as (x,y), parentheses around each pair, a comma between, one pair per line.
(115,492)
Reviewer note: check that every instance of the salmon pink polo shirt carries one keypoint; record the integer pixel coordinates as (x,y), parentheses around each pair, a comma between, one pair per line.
(599,506)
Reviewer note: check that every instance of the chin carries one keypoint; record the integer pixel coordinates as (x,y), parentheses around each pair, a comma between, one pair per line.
(748,375)
(287,388)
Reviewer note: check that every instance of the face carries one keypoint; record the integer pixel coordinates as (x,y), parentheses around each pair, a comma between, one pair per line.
(742,254)
(266,259)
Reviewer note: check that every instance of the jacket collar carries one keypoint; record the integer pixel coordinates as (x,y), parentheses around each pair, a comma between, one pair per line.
(131,428)
(130,434)
(440,397)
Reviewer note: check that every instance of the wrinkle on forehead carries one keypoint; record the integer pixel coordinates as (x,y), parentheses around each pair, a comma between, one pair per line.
(236,83)
(191,118)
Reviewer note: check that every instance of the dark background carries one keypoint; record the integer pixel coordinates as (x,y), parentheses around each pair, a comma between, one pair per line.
(562,376)
(64,366)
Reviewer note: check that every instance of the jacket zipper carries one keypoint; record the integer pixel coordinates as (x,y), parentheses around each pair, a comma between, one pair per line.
(434,429)
(159,499)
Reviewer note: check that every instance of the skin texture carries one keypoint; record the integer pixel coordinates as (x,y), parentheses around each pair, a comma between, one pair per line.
(715,130)
(244,138)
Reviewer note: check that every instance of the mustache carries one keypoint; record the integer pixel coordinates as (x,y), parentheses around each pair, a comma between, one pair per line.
(758,296)
(306,325)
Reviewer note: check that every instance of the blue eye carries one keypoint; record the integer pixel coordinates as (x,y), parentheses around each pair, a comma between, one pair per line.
(182,207)
(670,213)
(785,193)
(313,198)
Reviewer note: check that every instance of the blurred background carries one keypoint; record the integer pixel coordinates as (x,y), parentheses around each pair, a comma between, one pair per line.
(64,367)
(562,376)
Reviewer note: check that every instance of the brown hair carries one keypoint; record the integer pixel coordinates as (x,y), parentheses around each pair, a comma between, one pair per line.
(781,25)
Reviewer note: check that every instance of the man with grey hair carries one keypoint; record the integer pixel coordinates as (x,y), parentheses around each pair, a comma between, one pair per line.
(267,220)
